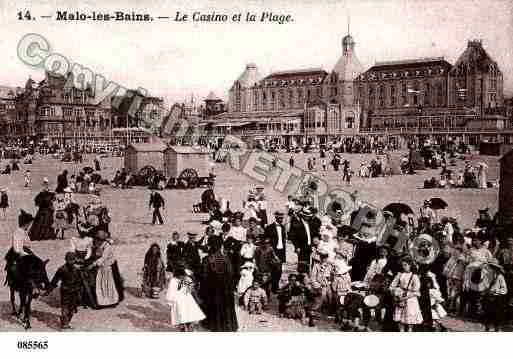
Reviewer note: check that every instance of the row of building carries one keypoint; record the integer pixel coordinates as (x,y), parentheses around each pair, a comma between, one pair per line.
(427,97)
(419,98)
(54,112)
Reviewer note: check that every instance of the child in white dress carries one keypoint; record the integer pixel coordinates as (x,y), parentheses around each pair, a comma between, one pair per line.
(183,307)
(406,289)
(246,278)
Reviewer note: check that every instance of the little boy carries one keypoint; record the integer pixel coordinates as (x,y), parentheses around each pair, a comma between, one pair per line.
(70,288)
(255,298)
(28,179)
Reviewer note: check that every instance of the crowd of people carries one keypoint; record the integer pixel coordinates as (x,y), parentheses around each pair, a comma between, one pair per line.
(356,270)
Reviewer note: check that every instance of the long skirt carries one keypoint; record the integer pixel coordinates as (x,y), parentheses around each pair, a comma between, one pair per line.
(42,227)
(103,287)
(409,314)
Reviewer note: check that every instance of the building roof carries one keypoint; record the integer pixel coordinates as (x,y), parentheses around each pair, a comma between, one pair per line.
(190,149)
(148,147)
(475,55)
(212,97)
(409,63)
(348,67)
(8,92)
(297,72)
(257,114)
(250,76)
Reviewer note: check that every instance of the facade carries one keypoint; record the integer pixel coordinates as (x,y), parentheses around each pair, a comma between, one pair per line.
(297,106)
(148,112)
(54,112)
(8,123)
(431,98)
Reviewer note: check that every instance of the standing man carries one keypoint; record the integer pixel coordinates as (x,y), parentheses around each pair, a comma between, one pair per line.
(276,232)
(301,236)
(156,201)
(291,161)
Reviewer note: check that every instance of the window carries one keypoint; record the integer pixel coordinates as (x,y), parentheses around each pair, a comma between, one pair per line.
(440,95)
(404,101)
(427,95)
(334,91)
(67,111)
(392,95)
(371,96)
(381,90)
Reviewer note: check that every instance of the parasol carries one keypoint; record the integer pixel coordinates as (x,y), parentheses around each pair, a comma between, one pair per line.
(397,209)
(437,203)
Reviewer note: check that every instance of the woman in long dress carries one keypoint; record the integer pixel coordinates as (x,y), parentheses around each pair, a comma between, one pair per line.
(104,287)
(184,309)
(406,290)
(154,272)
(217,289)
(42,228)
(482,176)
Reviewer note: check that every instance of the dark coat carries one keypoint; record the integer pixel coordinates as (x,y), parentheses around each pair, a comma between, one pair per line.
(156,200)
(182,252)
(62,183)
(271,232)
(217,294)
(71,285)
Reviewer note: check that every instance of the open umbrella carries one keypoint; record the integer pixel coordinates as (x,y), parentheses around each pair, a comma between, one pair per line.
(437,203)
(397,209)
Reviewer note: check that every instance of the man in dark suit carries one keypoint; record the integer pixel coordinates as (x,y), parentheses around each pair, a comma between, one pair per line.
(276,232)
(183,250)
(156,201)
(301,236)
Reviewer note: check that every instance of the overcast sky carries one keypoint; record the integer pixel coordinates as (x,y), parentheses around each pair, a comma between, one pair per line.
(174,60)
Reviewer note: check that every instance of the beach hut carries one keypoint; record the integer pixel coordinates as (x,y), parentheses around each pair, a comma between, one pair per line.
(506,189)
(140,155)
(187,166)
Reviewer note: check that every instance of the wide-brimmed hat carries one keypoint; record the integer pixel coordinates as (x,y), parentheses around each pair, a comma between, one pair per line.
(3,189)
(67,190)
(494,263)
(45,180)
(342,268)
(279,214)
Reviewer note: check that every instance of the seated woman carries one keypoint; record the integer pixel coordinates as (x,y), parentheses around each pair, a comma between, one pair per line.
(20,245)
(102,279)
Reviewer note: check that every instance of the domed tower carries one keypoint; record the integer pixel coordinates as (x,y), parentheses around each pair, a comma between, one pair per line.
(347,68)
(347,45)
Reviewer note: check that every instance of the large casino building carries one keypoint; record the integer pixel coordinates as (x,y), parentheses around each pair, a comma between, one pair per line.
(432,98)
(421,98)
(297,106)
